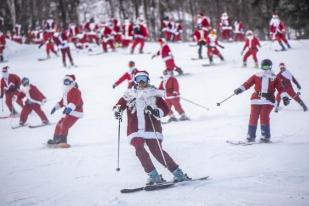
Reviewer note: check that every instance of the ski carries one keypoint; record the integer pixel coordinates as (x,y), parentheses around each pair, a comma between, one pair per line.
(280,50)
(162,186)
(245,143)
(19,126)
(39,125)
(196,59)
(5,117)
(43,59)
(183,74)
(136,53)
(4,61)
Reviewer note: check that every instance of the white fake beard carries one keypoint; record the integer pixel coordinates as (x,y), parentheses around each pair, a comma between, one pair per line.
(67,88)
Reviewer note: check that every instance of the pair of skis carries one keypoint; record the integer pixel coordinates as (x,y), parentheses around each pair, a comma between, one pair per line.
(31,126)
(163,185)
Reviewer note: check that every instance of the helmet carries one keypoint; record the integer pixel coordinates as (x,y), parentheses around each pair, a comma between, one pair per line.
(25,81)
(266,64)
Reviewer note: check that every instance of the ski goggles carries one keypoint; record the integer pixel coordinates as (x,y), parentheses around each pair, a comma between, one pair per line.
(141,78)
(266,67)
(67,82)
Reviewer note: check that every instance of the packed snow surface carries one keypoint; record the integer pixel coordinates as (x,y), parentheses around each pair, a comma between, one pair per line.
(85,175)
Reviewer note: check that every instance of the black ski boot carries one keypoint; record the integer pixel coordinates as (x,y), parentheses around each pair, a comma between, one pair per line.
(302,104)
(57,140)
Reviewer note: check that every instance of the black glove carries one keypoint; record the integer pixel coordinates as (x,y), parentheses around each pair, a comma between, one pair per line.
(222,47)
(118,113)
(53,110)
(237,91)
(298,86)
(114,86)
(286,101)
(154,112)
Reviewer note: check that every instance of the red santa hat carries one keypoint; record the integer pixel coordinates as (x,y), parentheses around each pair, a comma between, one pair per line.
(162,40)
(140,74)
(70,77)
(5,69)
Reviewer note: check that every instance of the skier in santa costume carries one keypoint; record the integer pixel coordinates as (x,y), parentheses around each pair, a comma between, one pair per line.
(277,31)
(170,86)
(50,44)
(62,42)
(10,84)
(200,37)
(2,45)
(212,43)
(167,56)
(33,99)
(286,79)
(238,30)
(145,107)
(252,43)
(140,34)
(129,75)
(73,110)
(262,100)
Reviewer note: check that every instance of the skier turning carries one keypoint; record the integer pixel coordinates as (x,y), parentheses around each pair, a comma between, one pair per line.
(145,107)
(262,100)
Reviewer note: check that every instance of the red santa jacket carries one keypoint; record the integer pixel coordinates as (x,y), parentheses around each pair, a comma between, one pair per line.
(277,28)
(204,22)
(286,78)
(140,32)
(127,76)
(253,43)
(91,28)
(2,41)
(32,93)
(164,25)
(265,84)
(200,35)
(127,31)
(72,99)
(74,30)
(165,52)
(135,101)
(212,41)
(225,24)
(11,84)
(170,86)
(238,27)
(106,33)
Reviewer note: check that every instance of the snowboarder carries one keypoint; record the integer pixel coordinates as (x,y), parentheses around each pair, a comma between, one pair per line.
(140,33)
(262,100)
(73,103)
(212,43)
(127,76)
(172,96)
(2,46)
(167,56)
(277,31)
(33,99)
(286,79)
(145,107)
(10,84)
(252,43)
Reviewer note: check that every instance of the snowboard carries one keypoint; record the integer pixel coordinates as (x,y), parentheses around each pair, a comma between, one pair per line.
(163,185)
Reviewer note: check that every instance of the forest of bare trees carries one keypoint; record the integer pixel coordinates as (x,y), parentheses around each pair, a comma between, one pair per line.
(254,13)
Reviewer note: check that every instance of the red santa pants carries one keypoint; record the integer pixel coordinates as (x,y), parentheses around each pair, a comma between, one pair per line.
(63,126)
(143,155)
(213,51)
(239,37)
(175,102)
(109,43)
(226,34)
(125,42)
(28,108)
(249,53)
(167,35)
(118,38)
(281,37)
(136,42)
(1,50)
(92,38)
(262,112)
(50,48)
(9,99)
(66,52)
(291,93)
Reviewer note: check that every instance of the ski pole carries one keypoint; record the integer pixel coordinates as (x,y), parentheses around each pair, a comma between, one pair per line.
(118,152)
(194,103)
(149,115)
(2,104)
(219,103)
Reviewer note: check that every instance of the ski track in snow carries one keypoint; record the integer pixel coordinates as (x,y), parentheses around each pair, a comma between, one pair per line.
(84,175)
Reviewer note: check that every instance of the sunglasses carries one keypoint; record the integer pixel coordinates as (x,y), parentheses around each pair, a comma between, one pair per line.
(143,78)
(67,82)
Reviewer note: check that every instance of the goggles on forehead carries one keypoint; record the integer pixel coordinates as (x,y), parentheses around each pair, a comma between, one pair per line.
(67,82)
(140,78)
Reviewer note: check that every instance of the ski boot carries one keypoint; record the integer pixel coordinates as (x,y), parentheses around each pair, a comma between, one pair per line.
(256,65)
(265,130)
(154,178)
(276,109)
(14,113)
(183,117)
(302,104)
(244,64)
(251,133)
(45,122)
(172,119)
(57,140)
(265,140)
(179,70)
(179,176)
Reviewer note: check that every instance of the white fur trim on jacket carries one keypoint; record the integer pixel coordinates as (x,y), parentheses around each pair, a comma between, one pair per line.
(145,135)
